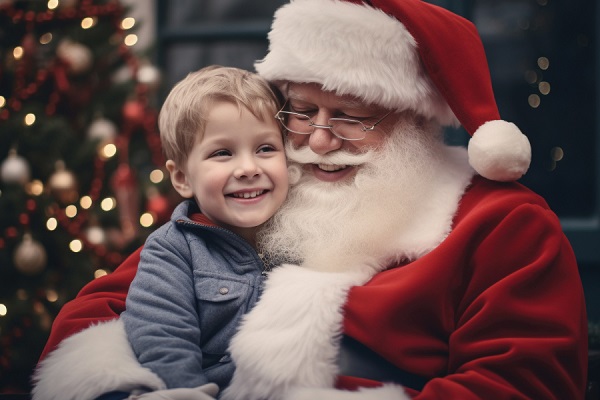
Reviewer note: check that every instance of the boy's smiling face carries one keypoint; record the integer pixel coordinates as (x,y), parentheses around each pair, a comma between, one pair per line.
(237,171)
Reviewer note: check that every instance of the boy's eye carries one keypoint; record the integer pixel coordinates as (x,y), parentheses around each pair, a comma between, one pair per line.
(266,149)
(221,153)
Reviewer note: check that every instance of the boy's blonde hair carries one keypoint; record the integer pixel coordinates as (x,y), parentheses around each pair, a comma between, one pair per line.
(182,118)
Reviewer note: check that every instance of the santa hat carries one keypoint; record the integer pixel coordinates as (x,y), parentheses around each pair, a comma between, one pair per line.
(400,54)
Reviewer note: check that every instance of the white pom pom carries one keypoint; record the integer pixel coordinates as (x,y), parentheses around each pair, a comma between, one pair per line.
(499,151)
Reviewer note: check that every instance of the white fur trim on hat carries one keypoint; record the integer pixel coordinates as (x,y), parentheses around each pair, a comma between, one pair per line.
(499,151)
(351,49)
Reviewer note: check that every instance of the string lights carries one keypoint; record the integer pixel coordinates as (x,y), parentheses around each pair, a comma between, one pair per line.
(80,157)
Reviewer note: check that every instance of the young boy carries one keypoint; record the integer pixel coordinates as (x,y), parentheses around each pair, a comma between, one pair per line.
(200,272)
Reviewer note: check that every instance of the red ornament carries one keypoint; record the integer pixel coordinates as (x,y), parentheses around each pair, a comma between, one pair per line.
(160,208)
(126,191)
(29,44)
(134,113)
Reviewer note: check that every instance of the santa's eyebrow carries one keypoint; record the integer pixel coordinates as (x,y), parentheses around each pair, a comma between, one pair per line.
(343,103)
(348,103)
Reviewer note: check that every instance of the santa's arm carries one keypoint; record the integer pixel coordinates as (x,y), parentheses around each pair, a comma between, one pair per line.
(91,363)
(520,322)
(102,299)
(521,326)
(88,354)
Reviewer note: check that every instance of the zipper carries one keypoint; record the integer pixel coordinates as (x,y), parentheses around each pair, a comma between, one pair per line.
(258,256)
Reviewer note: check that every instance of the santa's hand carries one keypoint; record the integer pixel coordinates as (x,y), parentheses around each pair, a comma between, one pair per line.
(204,392)
(385,392)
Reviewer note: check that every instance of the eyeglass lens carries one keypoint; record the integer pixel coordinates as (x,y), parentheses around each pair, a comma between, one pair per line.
(342,128)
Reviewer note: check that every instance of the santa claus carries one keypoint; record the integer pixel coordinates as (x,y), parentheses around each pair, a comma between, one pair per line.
(409,268)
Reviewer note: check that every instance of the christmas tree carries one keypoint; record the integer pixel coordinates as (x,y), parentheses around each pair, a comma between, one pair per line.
(81,179)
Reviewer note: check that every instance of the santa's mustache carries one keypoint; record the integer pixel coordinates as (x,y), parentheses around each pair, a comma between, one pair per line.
(304,155)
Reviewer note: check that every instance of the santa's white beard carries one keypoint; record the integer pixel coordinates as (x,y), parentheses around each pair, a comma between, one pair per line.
(335,226)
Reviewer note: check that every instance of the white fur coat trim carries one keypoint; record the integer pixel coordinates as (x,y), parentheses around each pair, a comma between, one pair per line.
(291,338)
(352,49)
(90,363)
(385,392)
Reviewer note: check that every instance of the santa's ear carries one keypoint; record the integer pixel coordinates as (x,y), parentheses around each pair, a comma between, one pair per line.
(179,179)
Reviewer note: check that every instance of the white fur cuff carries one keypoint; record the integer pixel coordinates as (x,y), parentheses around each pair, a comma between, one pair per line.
(90,363)
(385,392)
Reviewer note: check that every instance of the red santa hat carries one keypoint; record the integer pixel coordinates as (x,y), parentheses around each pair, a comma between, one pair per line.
(400,54)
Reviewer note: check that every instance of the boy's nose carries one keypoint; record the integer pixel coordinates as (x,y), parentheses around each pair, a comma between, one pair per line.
(247,168)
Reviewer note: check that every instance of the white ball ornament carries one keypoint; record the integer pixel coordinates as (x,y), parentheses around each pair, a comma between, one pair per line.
(62,185)
(77,56)
(122,75)
(102,129)
(150,76)
(95,235)
(15,169)
(30,256)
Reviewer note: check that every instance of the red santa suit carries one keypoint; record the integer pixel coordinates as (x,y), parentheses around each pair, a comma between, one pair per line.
(490,303)
(491,312)
(495,311)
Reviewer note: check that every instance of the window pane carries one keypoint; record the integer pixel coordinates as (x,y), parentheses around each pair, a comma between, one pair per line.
(196,33)
(543,65)
(188,13)
(186,57)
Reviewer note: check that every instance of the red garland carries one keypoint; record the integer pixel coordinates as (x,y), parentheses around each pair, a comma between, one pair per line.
(143,116)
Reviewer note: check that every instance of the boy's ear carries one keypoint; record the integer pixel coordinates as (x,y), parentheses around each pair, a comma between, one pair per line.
(179,180)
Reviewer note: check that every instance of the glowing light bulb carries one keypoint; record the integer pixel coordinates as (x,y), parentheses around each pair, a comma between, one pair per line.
(146,220)
(88,22)
(534,101)
(35,187)
(128,23)
(46,38)
(76,246)
(100,273)
(543,63)
(108,151)
(157,176)
(85,202)
(71,211)
(18,52)
(30,119)
(131,39)
(51,224)
(51,295)
(108,204)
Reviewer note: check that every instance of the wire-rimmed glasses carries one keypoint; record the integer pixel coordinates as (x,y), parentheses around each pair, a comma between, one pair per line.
(343,128)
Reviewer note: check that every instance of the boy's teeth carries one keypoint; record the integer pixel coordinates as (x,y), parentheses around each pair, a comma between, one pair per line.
(248,195)
(331,168)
